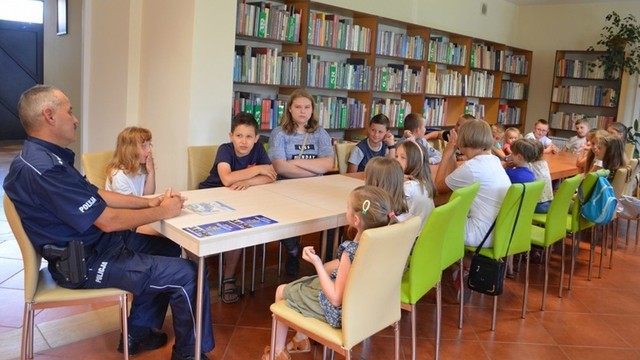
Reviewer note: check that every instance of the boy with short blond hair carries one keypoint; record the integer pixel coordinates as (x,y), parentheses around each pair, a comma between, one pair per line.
(539,133)
(578,142)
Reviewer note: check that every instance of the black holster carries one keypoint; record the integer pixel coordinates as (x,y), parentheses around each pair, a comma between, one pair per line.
(69,261)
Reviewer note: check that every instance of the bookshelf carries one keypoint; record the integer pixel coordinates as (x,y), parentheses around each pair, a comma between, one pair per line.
(357,65)
(581,90)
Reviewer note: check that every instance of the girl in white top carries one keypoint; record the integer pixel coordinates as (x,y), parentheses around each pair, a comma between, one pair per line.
(418,183)
(474,142)
(131,171)
(541,169)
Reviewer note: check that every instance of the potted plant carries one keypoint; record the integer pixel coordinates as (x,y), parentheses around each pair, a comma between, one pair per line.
(621,39)
(633,137)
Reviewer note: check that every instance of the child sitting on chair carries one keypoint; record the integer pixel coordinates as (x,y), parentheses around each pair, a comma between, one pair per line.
(320,296)
(523,152)
(239,164)
(379,142)
(414,129)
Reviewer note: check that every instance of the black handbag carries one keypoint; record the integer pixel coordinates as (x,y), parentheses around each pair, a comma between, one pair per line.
(486,275)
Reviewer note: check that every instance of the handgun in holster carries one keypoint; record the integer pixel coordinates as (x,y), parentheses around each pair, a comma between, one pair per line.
(69,261)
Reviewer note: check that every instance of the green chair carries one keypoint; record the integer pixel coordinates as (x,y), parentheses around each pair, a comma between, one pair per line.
(521,240)
(554,229)
(424,270)
(574,221)
(453,248)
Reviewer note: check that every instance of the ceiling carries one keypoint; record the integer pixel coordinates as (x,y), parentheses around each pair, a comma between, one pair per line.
(540,2)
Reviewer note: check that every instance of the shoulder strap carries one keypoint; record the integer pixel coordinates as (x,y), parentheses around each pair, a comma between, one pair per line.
(524,187)
(515,221)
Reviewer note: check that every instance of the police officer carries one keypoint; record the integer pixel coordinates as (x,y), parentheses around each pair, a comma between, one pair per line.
(58,206)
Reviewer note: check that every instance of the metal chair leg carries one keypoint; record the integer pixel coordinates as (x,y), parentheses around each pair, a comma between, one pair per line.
(546,278)
(495,313)
(561,269)
(461,308)
(526,287)
(438,319)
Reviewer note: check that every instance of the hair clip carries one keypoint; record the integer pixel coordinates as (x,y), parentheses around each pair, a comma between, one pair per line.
(365,207)
(391,215)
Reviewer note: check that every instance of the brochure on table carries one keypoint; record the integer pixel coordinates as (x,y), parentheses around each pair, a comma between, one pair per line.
(226,226)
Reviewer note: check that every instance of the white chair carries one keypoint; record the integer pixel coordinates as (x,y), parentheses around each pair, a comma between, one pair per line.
(372,294)
(42,292)
(343,150)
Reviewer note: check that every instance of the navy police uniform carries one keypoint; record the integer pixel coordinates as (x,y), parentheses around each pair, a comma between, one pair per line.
(58,205)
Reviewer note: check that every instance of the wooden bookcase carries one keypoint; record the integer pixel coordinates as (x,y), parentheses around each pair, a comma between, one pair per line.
(396,68)
(581,90)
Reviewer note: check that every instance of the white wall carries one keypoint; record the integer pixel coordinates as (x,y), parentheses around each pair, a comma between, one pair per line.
(547,28)
(458,16)
(107,71)
(63,55)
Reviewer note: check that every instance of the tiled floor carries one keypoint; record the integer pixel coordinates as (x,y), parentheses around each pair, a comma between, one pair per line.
(598,319)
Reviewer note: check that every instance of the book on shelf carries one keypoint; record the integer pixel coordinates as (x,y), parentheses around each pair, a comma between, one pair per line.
(435,111)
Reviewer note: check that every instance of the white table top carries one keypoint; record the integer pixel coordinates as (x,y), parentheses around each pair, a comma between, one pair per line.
(300,206)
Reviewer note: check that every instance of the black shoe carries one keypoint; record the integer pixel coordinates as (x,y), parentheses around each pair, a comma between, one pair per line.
(176,356)
(292,265)
(153,340)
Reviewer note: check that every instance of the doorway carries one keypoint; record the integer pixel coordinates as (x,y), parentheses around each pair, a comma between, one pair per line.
(21,67)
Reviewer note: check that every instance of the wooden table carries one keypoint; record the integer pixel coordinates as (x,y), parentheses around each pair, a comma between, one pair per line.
(300,206)
(562,165)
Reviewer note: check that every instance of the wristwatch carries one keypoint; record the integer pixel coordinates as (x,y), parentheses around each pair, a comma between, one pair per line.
(392,146)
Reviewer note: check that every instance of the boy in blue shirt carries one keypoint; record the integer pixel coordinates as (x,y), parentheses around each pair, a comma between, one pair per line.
(379,142)
(239,164)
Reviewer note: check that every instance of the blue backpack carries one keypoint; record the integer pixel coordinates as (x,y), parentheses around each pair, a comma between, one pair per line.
(601,206)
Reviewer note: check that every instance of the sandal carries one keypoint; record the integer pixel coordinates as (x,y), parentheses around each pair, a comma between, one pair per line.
(229,295)
(295,346)
(282,355)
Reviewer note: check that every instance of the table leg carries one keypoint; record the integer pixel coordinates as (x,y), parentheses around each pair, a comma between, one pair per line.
(199,306)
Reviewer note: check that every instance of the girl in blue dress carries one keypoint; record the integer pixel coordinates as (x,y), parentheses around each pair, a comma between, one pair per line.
(320,296)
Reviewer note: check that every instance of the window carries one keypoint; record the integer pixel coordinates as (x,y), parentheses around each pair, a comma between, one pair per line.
(30,11)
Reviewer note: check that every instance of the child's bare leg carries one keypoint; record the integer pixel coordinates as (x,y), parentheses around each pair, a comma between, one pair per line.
(281,329)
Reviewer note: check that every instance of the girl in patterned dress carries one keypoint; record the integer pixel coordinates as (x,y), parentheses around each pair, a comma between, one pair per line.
(320,296)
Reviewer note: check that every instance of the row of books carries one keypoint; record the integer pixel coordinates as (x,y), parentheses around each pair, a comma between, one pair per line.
(480,84)
(509,115)
(267,111)
(582,69)
(567,121)
(332,30)
(336,112)
(390,43)
(267,20)
(515,64)
(489,58)
(264,65)
(475,109)
(398,78)
(435,111)
(394,109)
(585,95)
(353,74)
(445,81)
(513,90)
(446,52)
